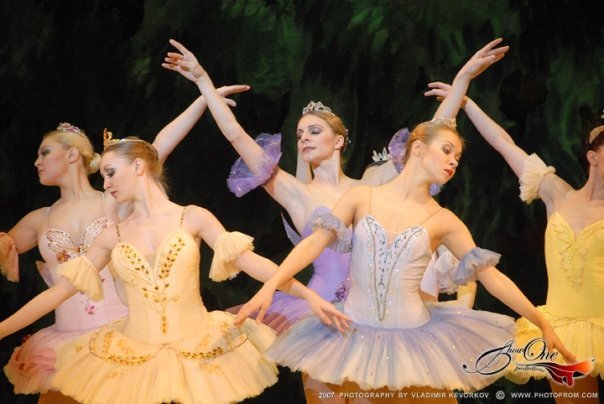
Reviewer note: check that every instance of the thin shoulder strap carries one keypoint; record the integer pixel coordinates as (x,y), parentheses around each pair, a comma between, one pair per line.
(182,216)
(47,216)
(370,209)
(430,215)
(117,231)
(312,195)
(104,205)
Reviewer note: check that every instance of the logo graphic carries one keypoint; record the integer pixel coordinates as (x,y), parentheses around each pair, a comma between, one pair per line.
(536,358)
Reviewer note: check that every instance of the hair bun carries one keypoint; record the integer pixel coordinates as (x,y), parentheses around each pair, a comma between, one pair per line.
(94,164)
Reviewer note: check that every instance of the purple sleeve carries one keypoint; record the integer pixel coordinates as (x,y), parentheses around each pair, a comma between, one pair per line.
(475,260)
(241,180)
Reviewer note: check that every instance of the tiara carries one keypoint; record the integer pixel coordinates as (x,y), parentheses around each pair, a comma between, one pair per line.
(108,139)
(67,127)
(316,106)
(450,122)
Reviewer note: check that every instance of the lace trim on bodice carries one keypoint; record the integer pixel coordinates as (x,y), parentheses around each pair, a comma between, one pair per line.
(573,249)
(64,246)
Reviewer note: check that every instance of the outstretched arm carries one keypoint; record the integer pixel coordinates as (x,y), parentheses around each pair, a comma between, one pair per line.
(551,189)
(457,238)
(283,187)
(98,256)
(478,63)
(303,255)
(173,133)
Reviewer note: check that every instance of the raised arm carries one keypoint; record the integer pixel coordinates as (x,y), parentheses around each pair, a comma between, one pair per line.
(173,133)
(478,63)
(283,187)
(458,240)
(79,271)
(551,188)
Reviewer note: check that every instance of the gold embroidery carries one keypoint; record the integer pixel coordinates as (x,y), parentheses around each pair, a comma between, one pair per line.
(156,279)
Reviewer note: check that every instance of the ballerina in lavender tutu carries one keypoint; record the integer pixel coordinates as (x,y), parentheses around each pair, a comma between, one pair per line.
(396,341)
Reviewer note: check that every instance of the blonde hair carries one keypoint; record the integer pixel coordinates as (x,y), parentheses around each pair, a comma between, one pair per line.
(334,122)
(90,160)
(132,148)
(425,132)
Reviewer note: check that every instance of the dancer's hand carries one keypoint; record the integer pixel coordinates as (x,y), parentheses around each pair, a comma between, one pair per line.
(225,91)
(441,90)
(260,302)
(553,342)
(184,62)
(327,312)
(484,58)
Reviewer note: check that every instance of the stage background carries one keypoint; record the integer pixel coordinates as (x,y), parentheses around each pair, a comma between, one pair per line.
(96,64)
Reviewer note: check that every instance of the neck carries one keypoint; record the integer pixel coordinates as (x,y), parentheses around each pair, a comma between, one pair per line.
(150,201)
(329,171)
(76,186)
(594,187)
(411,183)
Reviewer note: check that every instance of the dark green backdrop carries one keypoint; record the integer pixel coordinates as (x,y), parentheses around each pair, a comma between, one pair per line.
(97,64)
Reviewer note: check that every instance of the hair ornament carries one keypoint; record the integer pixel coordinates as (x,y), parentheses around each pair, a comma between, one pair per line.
(595,132)
(450,122)
(67,127)
(316,106)
(108,139)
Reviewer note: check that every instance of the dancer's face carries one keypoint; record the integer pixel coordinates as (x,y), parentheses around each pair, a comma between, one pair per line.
(316,139)
(52,162)
(442,155)
(119,176)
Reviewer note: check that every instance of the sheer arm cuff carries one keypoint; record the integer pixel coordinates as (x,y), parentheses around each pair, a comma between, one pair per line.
(9,258)
(444,267)
(83,275)
(324,219)
(473,262)
(227,248)
(532,175)
(241,180)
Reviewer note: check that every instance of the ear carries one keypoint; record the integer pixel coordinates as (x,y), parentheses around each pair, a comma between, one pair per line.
(592,158)
(417,148)
(139,166)
(339,142)
(72,154)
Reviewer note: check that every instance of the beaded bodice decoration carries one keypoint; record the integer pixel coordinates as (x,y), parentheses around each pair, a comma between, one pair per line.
(386,275)
(65,248)
(384,258)
(153,281)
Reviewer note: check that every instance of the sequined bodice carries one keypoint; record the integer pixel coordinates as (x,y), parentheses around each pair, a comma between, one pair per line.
(386,275)
(78,312)
(163,297)
(330,269)
(575,268)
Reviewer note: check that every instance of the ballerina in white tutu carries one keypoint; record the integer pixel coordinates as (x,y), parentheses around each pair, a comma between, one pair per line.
(395,340)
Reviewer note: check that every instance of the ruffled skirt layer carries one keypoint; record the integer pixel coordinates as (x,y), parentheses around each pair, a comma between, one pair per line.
(441,353)
(220,365)
(584,337)
(32,365)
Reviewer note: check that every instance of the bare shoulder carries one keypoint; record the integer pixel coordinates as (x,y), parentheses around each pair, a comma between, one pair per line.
(108,238)
(446,222)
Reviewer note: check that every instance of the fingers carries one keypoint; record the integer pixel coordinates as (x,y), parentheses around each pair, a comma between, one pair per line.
(261,313)
(233,89)
(229,102)
(178,46)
